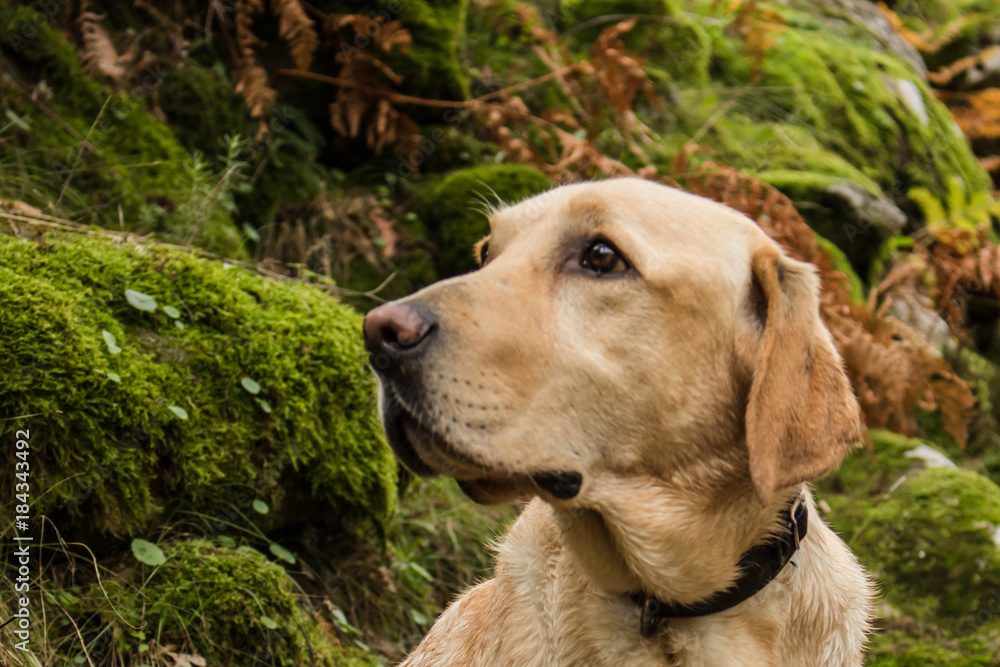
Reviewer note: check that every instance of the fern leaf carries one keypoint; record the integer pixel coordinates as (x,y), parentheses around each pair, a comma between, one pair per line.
(251,78)
(99,56)
(297,30)
(933,210)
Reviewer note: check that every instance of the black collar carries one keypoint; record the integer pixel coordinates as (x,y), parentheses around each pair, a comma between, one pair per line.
(760,565)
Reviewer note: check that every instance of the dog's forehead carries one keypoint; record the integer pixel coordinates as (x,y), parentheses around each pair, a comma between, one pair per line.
(651,222)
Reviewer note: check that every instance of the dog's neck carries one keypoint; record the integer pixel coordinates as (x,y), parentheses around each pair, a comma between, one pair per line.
(678,540)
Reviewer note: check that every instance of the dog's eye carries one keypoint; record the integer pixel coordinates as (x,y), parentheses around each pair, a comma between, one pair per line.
(601,257)
(484,252)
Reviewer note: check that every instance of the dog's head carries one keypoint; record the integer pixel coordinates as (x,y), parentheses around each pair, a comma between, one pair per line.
(616,327)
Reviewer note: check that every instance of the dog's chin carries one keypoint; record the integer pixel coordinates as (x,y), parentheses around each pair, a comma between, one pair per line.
(427,454)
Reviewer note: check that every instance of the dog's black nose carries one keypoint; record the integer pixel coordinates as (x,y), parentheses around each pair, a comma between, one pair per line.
(395,327)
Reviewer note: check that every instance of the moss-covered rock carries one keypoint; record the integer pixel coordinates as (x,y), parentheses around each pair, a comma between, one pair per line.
(229,606)
(452,208)
(927,531)
(932,543)
(234,387)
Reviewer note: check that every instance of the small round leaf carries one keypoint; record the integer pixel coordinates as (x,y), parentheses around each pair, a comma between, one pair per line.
(114,377)
(111,341)
(140,300)
(172,312)
(179,411)
(282,553)
(264,405)
(147,552)
(178,324)
(260,506)
(268,622)
(250,385)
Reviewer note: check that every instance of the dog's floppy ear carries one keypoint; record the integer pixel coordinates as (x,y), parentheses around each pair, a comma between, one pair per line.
(802,416)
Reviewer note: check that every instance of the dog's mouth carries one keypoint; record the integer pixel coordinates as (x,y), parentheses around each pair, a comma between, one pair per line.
(427,452)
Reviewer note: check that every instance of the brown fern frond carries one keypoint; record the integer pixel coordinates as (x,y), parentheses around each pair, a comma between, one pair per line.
(755,26)
(393,35)
(98,55)
(252,81)
(990,163)
(916,39)
(945,75)
(297,30)
(620,72)
(977,113)
(364,103)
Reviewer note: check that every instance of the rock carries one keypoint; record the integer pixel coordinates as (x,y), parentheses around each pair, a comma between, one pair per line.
(931,457)
(113,452)
(931,544)
(917,310)
(866,14)
(911,96)
(215,601)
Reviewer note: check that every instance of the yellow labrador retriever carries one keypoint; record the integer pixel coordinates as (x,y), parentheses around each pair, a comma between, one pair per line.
(652,371)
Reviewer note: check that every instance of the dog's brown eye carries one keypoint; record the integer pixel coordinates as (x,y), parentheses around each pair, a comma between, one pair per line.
(601,257)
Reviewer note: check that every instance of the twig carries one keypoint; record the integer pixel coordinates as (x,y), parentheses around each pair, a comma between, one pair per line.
(399,98)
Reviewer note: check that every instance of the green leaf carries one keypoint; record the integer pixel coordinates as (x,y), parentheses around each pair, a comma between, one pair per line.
(114,377)
(179,411)
(172,312)
(143,648)
(421,571)
(282,553)
(227,541)
(112,342)
(140,300)
(147,552)
(268,622)
(250,385)
(178,324)
(17,120)
(251,232)
(264,405)
(260,506)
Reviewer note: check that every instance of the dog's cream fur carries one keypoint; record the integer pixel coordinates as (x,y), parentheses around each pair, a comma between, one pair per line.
(694,393)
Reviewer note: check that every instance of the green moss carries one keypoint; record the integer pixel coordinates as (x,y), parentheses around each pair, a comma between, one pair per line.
(448,208)
(932,545)
(901,649)
(843,264)
(115,456)
(827,104)
(675,46)
(229,606)
(117,162)
(202,107)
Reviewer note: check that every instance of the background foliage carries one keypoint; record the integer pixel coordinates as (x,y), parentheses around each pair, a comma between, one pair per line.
(198,198)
